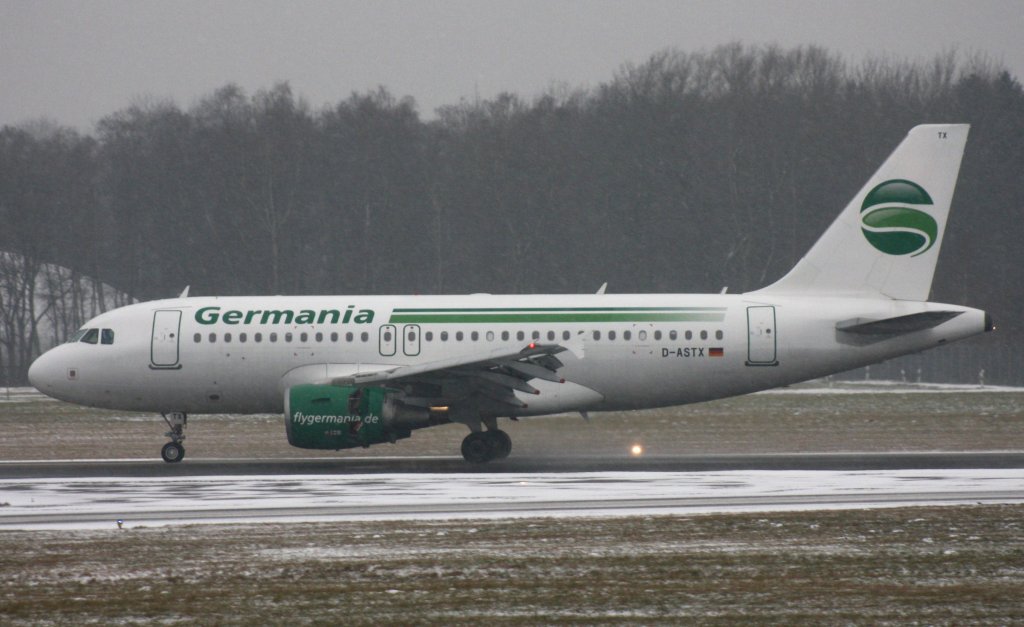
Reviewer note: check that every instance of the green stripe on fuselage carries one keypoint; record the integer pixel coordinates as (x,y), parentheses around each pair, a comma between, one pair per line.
(448,310)
(562,316)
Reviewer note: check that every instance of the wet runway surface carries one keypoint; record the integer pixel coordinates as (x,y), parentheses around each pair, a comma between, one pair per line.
(456,465)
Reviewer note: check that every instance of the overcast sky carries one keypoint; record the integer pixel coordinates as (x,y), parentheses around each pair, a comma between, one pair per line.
(78,61)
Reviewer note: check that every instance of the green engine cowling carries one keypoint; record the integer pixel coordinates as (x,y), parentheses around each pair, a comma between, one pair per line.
(335,417)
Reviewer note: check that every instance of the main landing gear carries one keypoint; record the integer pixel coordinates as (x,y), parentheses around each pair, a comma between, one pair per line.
(480,447)
(173,451)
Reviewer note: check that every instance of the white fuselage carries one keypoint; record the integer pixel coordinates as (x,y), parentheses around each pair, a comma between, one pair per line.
(228,355)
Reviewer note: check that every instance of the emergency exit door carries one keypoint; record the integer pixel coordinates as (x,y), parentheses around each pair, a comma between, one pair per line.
(388,340)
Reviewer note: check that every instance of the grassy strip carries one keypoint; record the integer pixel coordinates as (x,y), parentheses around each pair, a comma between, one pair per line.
(772,423)
(940,565)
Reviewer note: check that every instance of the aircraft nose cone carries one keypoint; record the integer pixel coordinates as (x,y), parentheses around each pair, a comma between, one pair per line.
(42,374)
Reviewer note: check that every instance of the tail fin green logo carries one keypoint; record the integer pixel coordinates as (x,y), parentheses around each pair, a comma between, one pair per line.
(893,222)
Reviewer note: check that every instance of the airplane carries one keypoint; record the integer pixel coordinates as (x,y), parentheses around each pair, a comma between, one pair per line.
(354,371)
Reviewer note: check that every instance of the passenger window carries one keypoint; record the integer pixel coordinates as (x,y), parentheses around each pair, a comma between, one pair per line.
(258,337)
(458,336)
(657,335)
(672,335)
(364,336)
(91,336)
(304,337)
(198,337)
(107,336)
(429,335)
(490,336)
(627,334)
(703,335)
(273,338)
(611,335)
(387,336)
(689,335)
(551,336)
(566,335)
(319,337)
(213,338)
(444,336)
(719,335)
(227,338)
(242,337)
(536,335)
(504,335)
(642,335)
(349,337)
(520,335)
(288,336)
(597,335)
(474,336)
(334,337)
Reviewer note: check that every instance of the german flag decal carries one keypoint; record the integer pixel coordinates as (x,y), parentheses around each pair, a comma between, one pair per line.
(716,352)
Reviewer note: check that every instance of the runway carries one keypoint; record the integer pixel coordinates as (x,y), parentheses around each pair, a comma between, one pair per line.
(95,494)
(456,465)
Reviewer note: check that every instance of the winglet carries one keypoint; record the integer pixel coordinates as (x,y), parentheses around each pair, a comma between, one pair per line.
(184,292)
(603,287)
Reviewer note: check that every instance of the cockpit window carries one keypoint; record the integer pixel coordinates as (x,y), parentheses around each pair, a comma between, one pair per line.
(107,336)
(91,336)
(77,336)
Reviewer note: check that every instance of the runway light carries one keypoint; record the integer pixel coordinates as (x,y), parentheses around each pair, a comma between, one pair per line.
(636,451)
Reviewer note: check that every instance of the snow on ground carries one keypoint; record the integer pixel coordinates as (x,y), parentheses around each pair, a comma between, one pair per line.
(824,386)
(312,497)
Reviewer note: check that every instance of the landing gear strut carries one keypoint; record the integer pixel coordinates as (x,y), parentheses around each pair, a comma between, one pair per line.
(480,447)
(173,451)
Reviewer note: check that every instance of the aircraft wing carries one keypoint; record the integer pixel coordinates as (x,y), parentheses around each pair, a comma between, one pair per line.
(495,376)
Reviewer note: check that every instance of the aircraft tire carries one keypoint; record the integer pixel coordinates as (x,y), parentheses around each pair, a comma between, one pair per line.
(477,449)
(500,442)
(172,452)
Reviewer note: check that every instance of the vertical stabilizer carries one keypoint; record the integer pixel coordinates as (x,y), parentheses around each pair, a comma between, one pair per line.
(887,239)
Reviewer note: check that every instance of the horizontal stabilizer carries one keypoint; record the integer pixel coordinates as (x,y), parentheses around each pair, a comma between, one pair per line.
(898,325)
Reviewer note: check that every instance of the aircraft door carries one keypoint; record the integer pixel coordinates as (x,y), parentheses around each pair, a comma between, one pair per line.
(411,340)
(388,340)
(163,348)
(643,336)
(761,341)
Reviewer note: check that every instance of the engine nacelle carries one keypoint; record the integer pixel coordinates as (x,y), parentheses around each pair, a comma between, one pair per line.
(334,417)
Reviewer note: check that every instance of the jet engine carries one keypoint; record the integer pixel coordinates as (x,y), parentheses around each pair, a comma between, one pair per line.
(336,417)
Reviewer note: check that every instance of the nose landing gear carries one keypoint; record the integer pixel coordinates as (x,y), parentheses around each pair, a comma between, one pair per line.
(173,451)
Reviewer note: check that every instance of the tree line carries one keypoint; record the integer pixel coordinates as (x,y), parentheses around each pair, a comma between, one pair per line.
(687,172)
